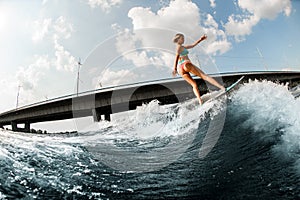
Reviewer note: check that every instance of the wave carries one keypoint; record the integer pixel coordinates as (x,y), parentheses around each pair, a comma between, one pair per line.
(243,145)
(273,115)
(149,138)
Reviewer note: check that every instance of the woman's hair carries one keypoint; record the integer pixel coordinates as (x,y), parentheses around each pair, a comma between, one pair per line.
(177,36)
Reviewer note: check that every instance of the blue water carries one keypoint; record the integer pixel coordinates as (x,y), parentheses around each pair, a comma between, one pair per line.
(243,147)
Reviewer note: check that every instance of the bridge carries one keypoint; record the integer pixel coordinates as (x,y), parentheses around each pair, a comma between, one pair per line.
(101,103)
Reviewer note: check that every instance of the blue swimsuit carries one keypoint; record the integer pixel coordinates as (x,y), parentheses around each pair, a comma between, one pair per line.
(182,62)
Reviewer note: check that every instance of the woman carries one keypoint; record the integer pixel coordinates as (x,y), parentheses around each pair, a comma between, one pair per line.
(186,66)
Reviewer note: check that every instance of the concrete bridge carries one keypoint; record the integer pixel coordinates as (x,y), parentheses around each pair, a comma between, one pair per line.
(103,102)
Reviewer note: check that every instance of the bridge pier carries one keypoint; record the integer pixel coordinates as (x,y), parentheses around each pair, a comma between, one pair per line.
(107,117)
(98,117)
(15,128)
(27,127)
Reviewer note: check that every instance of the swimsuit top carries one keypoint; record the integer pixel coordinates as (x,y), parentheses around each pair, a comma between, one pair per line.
(184,52)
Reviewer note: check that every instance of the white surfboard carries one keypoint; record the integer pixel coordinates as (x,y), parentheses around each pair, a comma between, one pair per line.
(215,95)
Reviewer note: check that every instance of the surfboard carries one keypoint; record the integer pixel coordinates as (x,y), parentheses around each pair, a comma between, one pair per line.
(216,95)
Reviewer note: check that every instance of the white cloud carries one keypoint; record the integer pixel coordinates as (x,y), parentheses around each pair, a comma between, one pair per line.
(217,39)
(28,78)
(64,60)
(33,78)
(182,15)
(105,5)
(62,28)
(51,31)
(210,21)
(240,26)
(113,78)
(266,9)
(127,43)
(45,28)
(41,29)
(153,31)
(55,31)
(41,62)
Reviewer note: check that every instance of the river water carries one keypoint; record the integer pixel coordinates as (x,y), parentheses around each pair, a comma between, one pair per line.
(243,147)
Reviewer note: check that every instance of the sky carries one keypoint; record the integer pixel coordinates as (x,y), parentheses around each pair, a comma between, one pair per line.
(120,42)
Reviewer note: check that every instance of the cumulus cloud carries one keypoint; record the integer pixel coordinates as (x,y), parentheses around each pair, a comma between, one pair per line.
(174,16)
(47,28)
(217,41)
(105,5)
(240,26)
(55,31)
(113,78)
(169,20)
(62,28)
(64,60)
(29,76)
(129,45)
(265,8)
(41,29)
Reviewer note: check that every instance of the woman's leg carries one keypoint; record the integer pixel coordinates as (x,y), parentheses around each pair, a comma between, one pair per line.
(193,83)
(189,67)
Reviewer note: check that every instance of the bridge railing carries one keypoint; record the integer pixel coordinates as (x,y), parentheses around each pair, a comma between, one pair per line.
(103,89)
(128,85)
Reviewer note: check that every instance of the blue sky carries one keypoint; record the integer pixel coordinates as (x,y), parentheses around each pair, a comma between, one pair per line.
(41,41)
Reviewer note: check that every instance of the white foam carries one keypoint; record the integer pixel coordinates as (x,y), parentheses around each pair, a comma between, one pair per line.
(150,125)
(273,106)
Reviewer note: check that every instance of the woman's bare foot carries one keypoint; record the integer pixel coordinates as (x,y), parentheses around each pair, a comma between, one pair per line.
(223,89)
(200,101)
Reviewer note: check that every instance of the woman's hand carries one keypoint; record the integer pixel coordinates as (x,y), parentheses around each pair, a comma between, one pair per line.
(197,42)
(203,37)
(174,73)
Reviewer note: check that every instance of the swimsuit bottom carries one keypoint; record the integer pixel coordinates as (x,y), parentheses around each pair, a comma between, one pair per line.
(182,63)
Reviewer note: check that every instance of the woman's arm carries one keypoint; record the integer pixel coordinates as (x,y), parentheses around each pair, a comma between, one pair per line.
(176,61)
(197,42)
(175,65)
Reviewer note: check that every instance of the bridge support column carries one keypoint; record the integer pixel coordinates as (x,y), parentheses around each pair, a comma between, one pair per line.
(27,127)
(15,128)
(98,117)
(107,117)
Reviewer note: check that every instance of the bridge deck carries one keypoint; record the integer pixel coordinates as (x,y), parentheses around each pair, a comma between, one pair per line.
(110,100)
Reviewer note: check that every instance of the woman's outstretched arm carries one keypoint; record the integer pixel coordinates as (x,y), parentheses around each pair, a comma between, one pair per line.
(197,42)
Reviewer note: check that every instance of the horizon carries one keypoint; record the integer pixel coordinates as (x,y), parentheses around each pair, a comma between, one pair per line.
(42,42)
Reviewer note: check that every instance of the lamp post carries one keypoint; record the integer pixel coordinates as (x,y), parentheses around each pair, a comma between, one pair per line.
(79,64)
(18,94)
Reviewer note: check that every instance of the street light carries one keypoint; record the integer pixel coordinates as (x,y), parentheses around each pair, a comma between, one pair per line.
(79,64)
(18,93)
